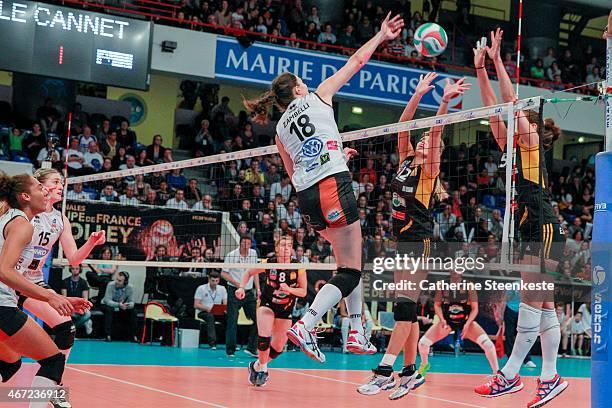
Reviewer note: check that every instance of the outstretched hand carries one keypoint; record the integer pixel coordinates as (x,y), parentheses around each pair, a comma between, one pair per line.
(496,40)
(454,89)
(391,28)
(424,84)
(350,153)
(98,237)
(480,52)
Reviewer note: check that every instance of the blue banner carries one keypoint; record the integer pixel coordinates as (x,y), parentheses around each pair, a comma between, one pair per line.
(377,81)
(601,307)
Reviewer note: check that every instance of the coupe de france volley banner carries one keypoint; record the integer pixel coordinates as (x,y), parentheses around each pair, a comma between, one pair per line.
(134,232)
(377,81)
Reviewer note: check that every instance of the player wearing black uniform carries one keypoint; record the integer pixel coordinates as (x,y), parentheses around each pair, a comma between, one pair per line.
(456,310)
(278,297)
(413,187)
(540,236)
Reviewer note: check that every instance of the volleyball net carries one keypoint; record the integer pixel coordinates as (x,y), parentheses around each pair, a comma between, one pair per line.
(185,217)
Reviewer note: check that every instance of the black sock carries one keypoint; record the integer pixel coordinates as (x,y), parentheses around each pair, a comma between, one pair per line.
(385,370)
(408,370)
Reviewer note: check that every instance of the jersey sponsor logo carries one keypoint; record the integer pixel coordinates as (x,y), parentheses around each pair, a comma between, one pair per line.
(408,189)
(397,201)
(333,215)
(398,215)
(40,252)
(312,147)
(324,158)
(311,166)
(332,145)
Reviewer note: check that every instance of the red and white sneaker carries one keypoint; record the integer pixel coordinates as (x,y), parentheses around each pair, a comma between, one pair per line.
(547,391)
(358,344)
(307,340)
(499,385)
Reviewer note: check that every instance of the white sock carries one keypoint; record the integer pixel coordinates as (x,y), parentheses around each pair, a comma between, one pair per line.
(354,306)
(388,360)
(344,329)
(424,346)
(550,337)
(328,297)
(42,382)
(261,367)
(489,349)
(528,327)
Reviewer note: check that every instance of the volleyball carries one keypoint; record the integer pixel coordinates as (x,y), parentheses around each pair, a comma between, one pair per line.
(430,39)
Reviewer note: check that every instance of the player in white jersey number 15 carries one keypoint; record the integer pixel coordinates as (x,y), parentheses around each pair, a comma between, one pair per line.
(310,146)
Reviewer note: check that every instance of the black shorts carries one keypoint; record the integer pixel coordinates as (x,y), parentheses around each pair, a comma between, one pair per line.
(330,203)
(280,311)
(22,297)
(11,321)
(454,324)
(549,241)
(405,311)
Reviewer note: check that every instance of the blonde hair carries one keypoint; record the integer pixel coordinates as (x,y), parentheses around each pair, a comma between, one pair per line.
(43,175)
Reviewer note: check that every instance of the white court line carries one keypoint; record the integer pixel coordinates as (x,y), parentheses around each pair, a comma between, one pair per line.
(353,383)
(146,387)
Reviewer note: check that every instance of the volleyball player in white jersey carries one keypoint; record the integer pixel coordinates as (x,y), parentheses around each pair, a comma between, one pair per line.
(49,227)
(22,198)
(311,149)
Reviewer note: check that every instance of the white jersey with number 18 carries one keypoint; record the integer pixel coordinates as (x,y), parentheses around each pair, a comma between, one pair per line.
(309,134)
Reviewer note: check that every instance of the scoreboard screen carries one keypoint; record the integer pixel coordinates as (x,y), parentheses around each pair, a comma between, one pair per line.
(48,40)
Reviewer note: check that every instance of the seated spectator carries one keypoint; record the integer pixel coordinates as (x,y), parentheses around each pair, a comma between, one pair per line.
(204,144)
(109,194)
(164,193)
(85,139)
(130,164)
(204,204)
(549,58)
(264,235)
(155,179)
(75,157)
(129,198)
(320,249)
(77,193)
(153,199)
(118,303)
(311,34)
(35,141)
(347,38)
(271,176)
(446,219)
(369,170)
(51,153)
(141,158)
(104,131)
(553,71)
(93,159)
(155,151)
(593,76)
(192,192)
(110,146)
(294,218)
(16,141)
(537,71)
(365,30)
(176,179)
(178,202)
(253,174)
(327,36)
(126,137)
(206,296)
(283,188)
(75,286)
(120,158)
(223,108)
(141,188)
(313,17)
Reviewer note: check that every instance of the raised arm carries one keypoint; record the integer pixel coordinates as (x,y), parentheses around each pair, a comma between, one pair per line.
(528,136)
(389,30)
(404,146)
(498,127)
(432,161)
(74,254)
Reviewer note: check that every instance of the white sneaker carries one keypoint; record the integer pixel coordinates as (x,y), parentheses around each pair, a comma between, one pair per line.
(377,383)
(307,340)
(60,402)
(358,344)
(88,327)
(530,364)
(407,384)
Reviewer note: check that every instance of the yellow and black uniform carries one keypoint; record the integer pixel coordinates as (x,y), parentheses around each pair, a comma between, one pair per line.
(533,197)
(456,306)
(272,297)
(411,205)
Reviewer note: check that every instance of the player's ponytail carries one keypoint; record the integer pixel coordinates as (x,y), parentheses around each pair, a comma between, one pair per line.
(279,95)
(10,188)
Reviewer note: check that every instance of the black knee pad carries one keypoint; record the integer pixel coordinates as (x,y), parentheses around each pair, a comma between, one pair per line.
(346,279)
(405,311)
(52,367)
(64,335)
(8,370)
(274,353)
(263,343)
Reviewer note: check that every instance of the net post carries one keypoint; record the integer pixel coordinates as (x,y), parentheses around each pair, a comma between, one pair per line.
(508,230)
(601,356)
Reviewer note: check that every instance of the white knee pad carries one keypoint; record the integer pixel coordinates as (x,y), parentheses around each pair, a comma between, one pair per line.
(485,342)
(548,320)
(425,342)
